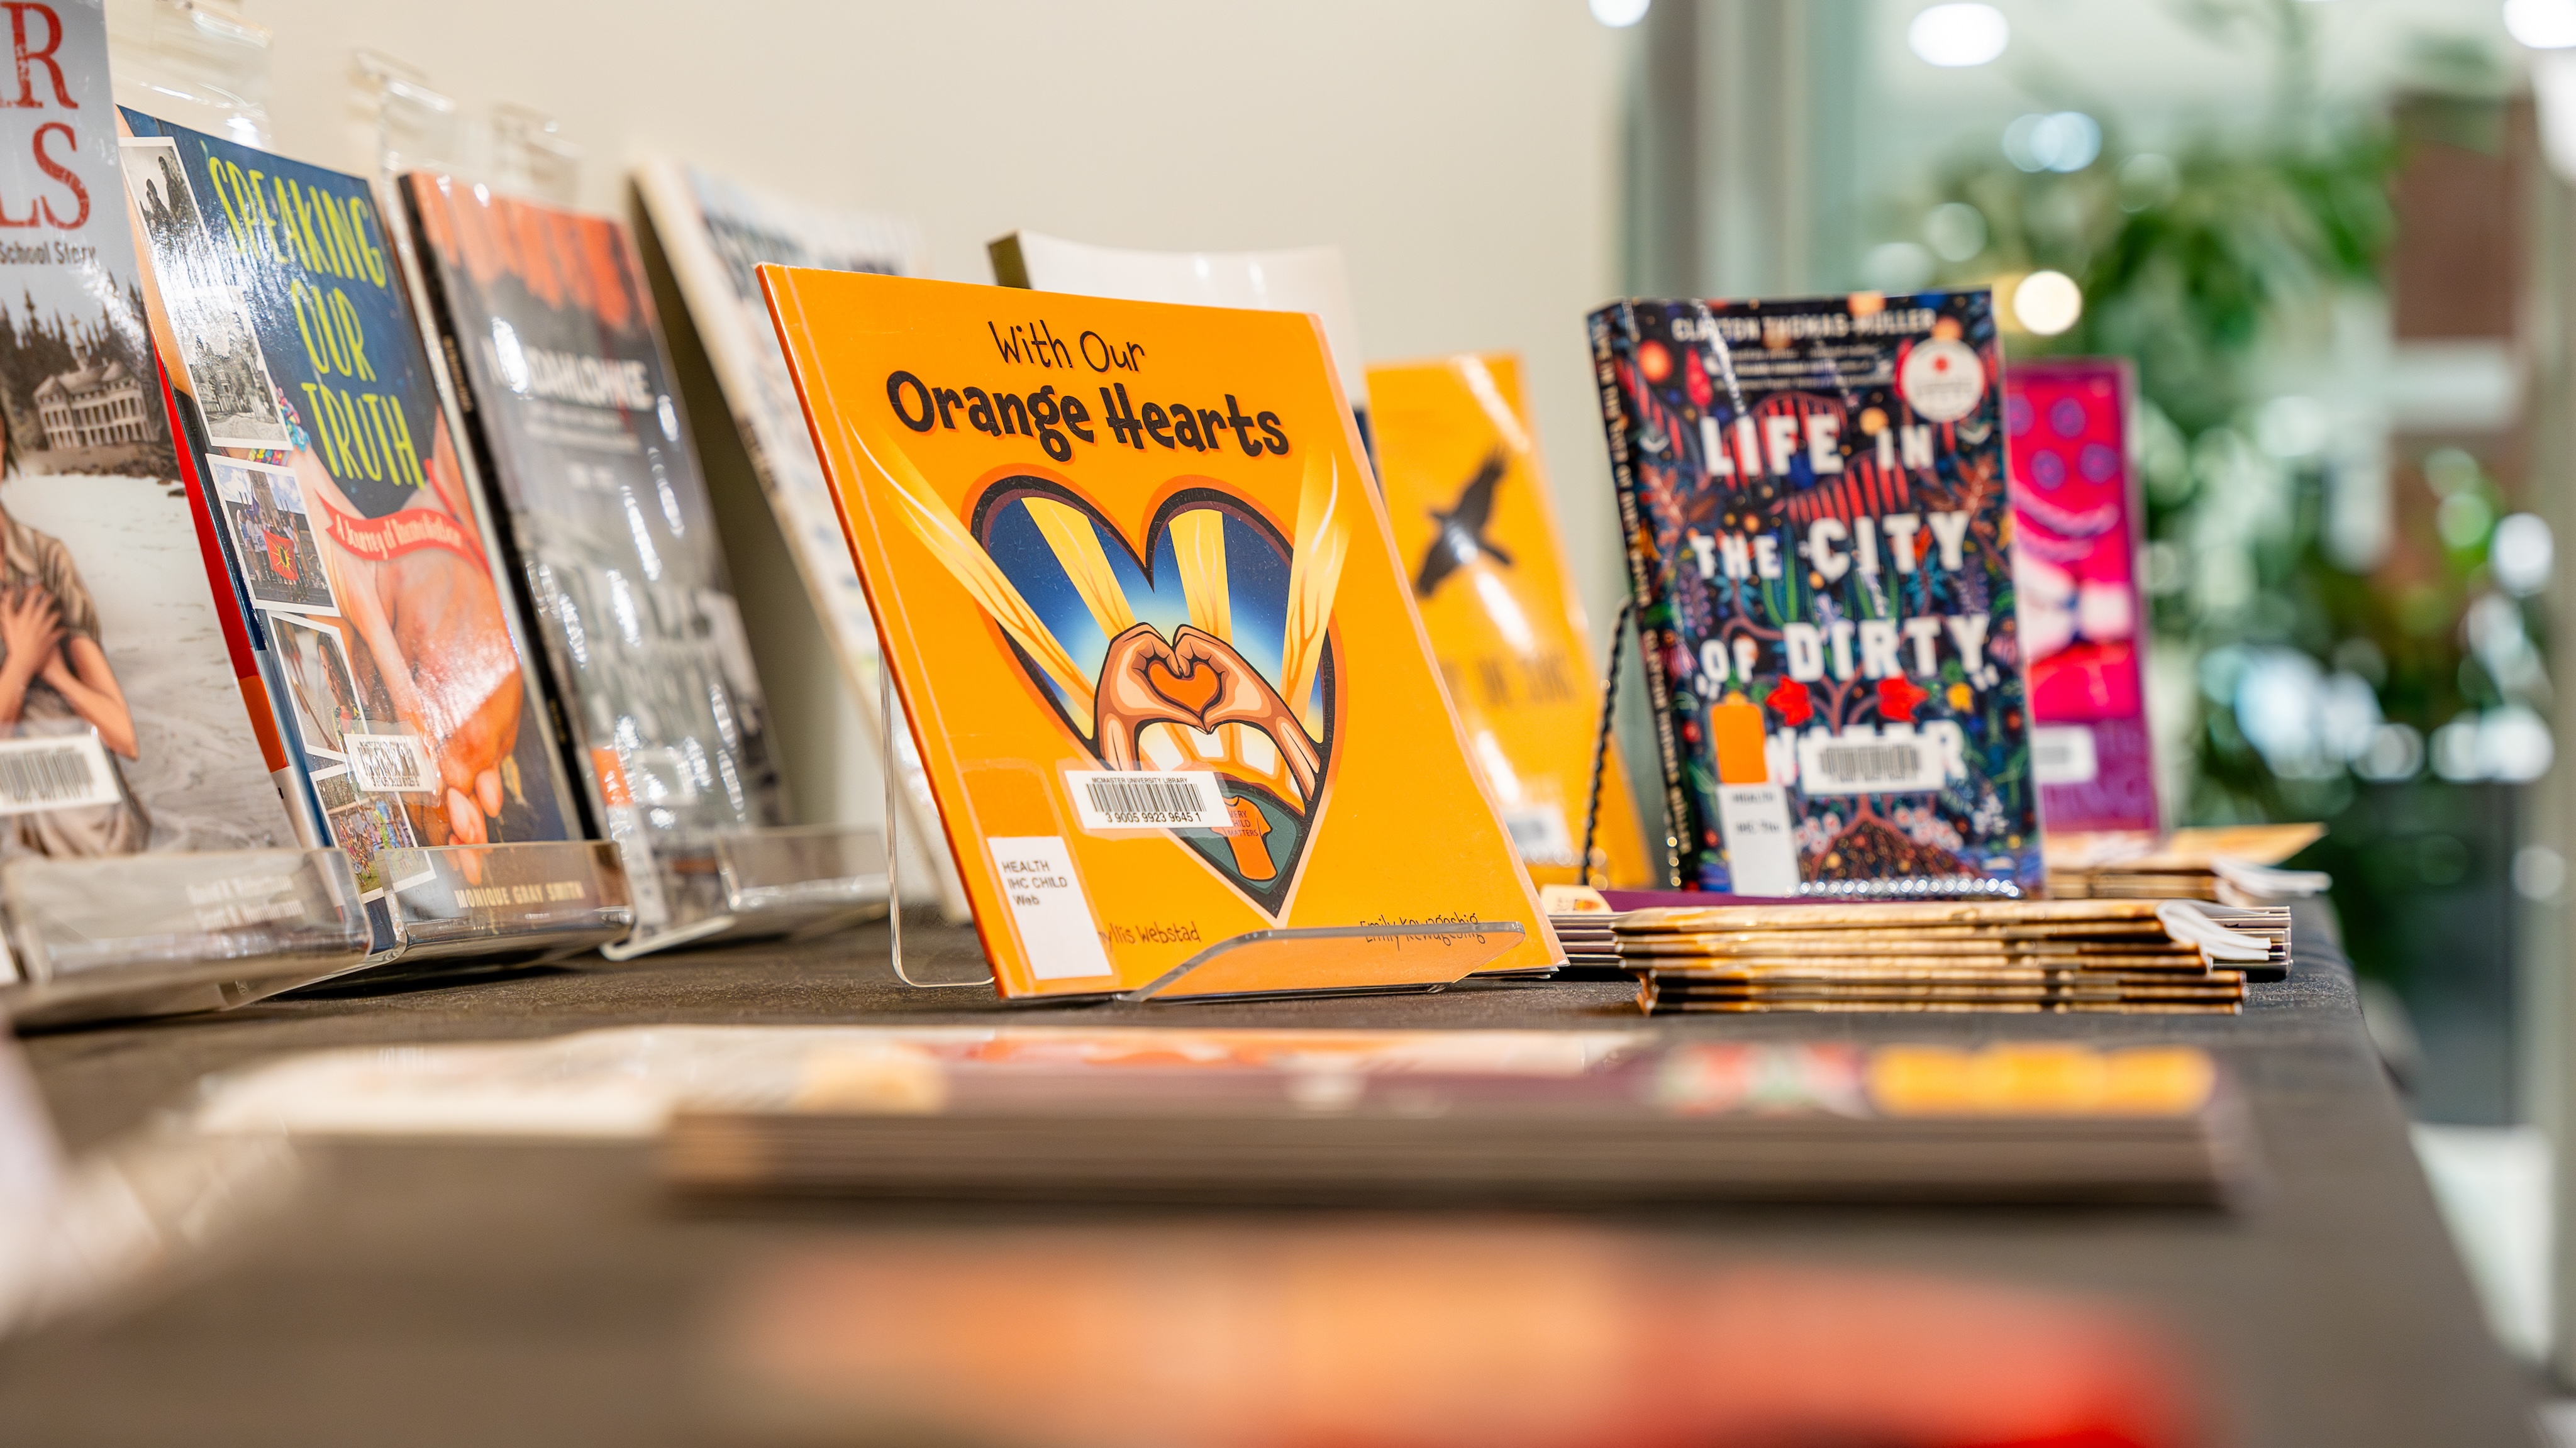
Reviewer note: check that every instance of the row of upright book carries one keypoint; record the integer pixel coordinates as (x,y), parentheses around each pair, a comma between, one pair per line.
(365,513)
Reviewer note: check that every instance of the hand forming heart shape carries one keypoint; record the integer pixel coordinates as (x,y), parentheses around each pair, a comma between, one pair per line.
(1197,680)
(1244,697)
(1192,691)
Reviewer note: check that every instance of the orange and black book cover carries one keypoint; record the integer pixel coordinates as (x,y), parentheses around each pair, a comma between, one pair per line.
(1469,505)
(1149,623)
(550,328)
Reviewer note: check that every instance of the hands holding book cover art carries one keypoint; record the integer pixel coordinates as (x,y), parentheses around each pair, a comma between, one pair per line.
(1197,680)
(432,623)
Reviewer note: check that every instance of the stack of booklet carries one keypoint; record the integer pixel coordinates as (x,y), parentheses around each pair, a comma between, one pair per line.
(2239,865)
(1482,1115)
(2062,955)
(1590,940)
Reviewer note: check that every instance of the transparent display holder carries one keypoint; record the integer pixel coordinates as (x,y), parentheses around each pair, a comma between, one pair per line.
(168,934)
(501,905)
(396,118)
(196,62)
(531,156)
(1333,959)
(795,881)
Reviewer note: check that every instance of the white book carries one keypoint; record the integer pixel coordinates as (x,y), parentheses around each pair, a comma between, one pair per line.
(715,233)
(1296,279)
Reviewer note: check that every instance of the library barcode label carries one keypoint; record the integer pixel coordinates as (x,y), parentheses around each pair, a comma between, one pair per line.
(1124,800)
(1539,833)
(2063,754)
(1867,766)
(61,771)
(390,764)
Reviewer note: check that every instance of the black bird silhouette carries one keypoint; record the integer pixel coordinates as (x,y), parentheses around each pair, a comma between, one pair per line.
(1462,528)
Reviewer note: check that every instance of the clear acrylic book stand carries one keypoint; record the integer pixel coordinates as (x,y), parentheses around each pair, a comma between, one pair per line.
(196,62)
(1336,959)
(793,880)
(643,892)
(151,935)
(514,904)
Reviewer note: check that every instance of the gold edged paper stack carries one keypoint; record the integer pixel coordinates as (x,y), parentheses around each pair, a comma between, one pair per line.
(2192,864)
(1589,939)
(2131,956)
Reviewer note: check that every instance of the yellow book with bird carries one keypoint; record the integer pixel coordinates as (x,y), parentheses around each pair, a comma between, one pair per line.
(1469,504)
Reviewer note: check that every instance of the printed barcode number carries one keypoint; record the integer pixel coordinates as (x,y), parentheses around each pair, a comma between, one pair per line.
(46,777)
(389,764)
(1867,766)
(387,761)
(1115,800)
(2063,754)
(58,773)
(1870,763)
(1539,834)
(1145,799)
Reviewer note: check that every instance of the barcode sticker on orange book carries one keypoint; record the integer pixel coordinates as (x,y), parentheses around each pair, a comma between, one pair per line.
(1115,800)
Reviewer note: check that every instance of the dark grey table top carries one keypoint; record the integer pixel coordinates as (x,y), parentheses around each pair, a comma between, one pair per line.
(553,1293)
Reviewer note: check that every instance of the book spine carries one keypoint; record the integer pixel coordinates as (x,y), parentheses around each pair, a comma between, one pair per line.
(233,614)
(1681,829)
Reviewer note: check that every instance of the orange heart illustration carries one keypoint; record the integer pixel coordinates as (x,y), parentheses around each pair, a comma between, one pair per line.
(1192,691)
(1156,670)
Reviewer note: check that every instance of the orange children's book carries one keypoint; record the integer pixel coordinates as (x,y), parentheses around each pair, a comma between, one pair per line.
(1149,624)
(1472,520)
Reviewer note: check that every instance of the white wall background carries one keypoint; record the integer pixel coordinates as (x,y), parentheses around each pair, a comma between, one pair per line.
(1462,152)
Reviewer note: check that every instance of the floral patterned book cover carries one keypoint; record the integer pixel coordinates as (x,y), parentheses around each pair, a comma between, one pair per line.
(1820,545)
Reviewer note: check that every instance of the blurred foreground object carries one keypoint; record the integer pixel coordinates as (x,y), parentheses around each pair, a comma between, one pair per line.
(1483,1117)
(1403,1337)
(76,1234)
(1278,1116)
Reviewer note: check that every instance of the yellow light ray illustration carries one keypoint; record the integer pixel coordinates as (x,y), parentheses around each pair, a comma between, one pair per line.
(1198,538)
(1313,576)
(1068,531)
(982,578)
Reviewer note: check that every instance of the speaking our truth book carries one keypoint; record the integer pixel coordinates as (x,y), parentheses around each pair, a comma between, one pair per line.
(1820,544)
(1469,505)
(2076,528)
(549,324)
(714,234)
(122,719)
(341,503)
(1148,624)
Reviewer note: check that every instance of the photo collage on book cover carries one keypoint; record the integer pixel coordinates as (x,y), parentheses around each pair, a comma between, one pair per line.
(338,499)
